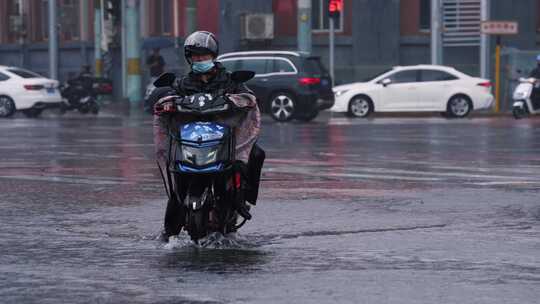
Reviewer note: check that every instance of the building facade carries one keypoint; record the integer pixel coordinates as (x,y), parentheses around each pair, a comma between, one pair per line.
(371,35)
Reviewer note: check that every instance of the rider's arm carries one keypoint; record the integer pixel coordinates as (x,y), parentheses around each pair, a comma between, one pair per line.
(244,98)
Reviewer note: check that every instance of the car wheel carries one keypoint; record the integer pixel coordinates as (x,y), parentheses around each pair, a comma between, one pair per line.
(360,106)
(282,107)
(7,106)
(459,106)
(32,113)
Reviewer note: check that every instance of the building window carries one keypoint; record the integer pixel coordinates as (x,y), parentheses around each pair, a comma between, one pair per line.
(320,21)
(15,20)
(69,20)
(425,15)
(44,28)
(165,13)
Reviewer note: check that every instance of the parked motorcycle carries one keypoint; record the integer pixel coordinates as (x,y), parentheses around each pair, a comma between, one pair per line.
(81,95)
(526,98)
(201,172)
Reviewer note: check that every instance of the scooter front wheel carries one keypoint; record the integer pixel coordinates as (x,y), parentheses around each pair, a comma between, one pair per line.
(518,113)
(197,223)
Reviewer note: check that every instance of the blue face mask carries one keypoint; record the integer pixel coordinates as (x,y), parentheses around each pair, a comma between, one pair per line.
(202,66)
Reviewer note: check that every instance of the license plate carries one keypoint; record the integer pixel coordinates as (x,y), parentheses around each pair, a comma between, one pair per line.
(50,90)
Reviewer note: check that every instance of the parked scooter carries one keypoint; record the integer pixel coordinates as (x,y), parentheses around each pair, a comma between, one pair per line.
(526,98)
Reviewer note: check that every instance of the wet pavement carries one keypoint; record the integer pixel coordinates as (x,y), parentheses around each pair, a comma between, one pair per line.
(385,210)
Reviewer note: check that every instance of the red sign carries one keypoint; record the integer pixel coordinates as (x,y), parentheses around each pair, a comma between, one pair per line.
(499,27)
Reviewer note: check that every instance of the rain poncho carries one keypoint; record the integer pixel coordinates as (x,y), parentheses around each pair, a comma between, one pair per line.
(246,118)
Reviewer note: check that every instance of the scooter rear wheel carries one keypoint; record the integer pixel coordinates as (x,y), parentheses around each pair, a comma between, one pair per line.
(84,109)
(94,108)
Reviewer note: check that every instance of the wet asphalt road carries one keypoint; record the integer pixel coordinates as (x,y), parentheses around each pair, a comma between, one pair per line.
(386,210)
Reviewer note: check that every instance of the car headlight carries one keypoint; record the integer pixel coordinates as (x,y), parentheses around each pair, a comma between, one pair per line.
(339,93)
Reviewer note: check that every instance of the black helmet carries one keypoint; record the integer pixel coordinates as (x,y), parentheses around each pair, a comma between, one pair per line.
(200,42)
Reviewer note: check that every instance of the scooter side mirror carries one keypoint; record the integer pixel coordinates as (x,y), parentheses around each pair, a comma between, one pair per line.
(165,80)
(242,76)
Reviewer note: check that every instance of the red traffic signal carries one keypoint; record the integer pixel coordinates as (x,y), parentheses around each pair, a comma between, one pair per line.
(335,7)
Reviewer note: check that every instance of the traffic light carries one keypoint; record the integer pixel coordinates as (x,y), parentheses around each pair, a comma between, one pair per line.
(334,8)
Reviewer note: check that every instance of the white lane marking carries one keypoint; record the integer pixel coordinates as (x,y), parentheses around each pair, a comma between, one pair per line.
(506,183)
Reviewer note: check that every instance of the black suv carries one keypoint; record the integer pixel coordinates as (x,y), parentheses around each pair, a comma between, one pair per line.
(287,84)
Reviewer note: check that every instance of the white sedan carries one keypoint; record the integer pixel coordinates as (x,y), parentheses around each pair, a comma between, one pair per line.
(26,91)
(419,88)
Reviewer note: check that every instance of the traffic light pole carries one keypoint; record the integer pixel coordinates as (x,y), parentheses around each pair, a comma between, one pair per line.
(335,7)
(331,51)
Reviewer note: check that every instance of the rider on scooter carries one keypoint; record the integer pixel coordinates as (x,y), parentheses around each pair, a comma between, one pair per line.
(209,76)
(535,73)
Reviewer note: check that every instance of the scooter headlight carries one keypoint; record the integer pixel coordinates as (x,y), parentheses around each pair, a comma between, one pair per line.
(200,156)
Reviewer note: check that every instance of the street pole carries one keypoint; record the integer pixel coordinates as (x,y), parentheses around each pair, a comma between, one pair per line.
(484,40)
(436,33)
(21,33)
(142,18)
(133,83)
(498,74)
(191,16)
(123,39)
(331,53)
(304,26)
(178,56)
(176,22)
(97,39)
(84,30)
(53,41)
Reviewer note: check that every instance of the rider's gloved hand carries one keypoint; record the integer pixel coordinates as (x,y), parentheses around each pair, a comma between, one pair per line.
(165,105)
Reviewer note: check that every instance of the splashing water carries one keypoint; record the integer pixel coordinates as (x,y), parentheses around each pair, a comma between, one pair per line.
(215,240)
